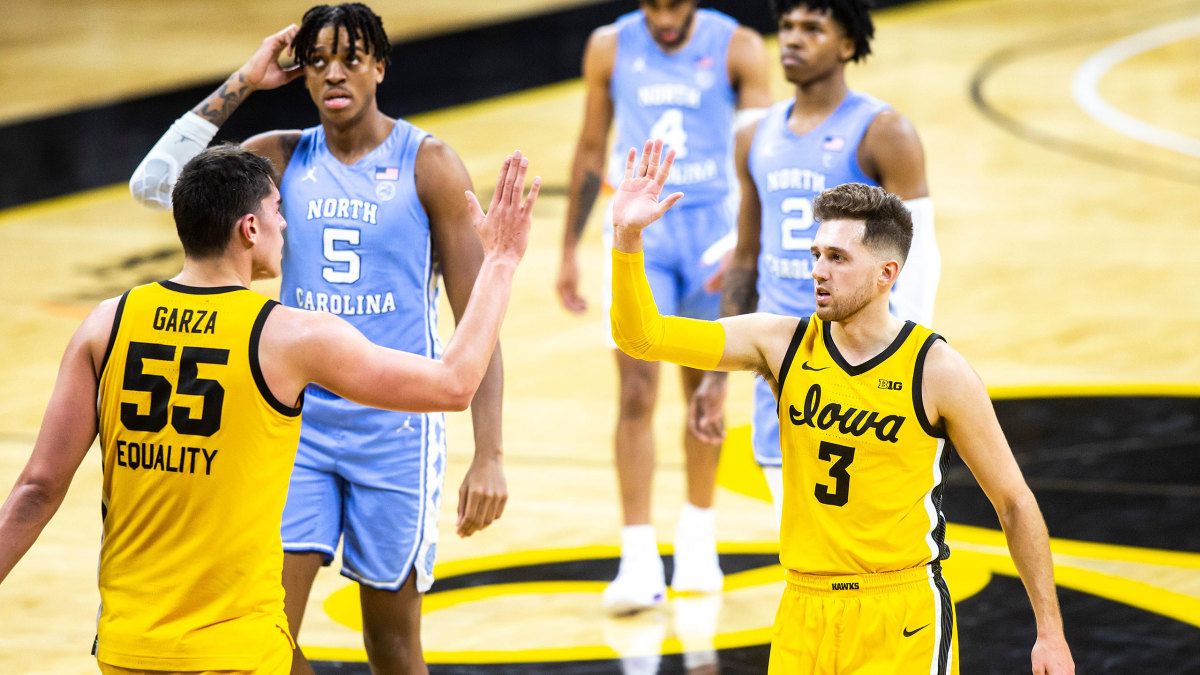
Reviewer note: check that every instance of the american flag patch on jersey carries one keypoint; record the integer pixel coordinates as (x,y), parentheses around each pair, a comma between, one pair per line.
(833,143)
(387,173)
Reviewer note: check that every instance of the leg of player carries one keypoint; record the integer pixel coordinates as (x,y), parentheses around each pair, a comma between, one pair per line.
(392,628)
(299,571)
(697,568)
(640,582)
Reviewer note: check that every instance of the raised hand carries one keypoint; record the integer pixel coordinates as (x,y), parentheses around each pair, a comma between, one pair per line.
(504,229)
(263,71)
(636,202)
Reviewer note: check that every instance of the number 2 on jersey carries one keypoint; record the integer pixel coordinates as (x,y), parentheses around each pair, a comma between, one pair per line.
(841,485)
(794,226)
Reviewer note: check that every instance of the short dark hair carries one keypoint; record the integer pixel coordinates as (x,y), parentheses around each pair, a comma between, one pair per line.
(853,15)
(363,27)
(214,190)
(888,224)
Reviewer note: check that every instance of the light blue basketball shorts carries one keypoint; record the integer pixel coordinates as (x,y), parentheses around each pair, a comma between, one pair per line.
(764,426)
(372,479)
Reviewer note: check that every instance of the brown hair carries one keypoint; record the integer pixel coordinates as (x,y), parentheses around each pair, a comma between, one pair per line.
(214,190)
(888,223)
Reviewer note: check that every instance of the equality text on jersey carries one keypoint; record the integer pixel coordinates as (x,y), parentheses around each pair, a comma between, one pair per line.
(134,455)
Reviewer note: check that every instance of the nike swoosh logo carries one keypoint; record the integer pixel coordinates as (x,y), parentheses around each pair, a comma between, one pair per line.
(805,366)
(908,633)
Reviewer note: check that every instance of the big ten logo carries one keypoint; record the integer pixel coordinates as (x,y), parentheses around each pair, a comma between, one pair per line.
(891,385)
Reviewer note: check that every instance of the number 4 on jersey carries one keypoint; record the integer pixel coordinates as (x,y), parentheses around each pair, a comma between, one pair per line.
(669,128)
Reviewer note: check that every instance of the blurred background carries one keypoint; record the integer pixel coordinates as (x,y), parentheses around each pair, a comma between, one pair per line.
(1062,142)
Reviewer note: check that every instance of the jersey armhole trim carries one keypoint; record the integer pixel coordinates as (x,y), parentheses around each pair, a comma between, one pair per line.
(256,366)
(801,329)
(112,336)
(918,378)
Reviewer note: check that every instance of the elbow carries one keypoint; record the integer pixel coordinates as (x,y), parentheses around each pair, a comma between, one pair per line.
(35,498)
(638,349)
(150,185)
(460,402)
(460,391)
(1013,510)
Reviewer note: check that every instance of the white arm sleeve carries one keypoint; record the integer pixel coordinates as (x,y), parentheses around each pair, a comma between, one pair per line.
(152,181)
(747,116)
(914,290)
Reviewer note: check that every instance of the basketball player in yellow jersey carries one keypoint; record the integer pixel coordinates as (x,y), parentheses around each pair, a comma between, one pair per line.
(867,405)
(195,385)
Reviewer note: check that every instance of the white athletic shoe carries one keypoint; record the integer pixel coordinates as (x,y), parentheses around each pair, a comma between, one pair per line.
(697,568)
(638,586)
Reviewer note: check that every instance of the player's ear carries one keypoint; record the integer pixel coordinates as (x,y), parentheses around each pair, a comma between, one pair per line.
(247,227)
(380,69)
(888,271)
(847,48)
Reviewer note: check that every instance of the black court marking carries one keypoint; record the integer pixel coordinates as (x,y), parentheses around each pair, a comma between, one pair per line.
(740,661)
(591,569)
(996,632)
(1094,153)
(1114,470)
(102,145)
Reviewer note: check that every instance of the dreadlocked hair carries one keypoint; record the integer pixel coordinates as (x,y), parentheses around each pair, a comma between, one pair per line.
(363,27)
(853,15)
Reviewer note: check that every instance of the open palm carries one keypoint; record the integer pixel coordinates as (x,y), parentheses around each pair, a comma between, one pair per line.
(636,202)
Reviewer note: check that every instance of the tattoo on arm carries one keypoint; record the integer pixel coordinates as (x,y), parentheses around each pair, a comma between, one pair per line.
(740,293)
(218,107)
(588,191)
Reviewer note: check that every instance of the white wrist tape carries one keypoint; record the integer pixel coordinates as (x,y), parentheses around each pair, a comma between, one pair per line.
(747,116)
(152,181)
(914,291)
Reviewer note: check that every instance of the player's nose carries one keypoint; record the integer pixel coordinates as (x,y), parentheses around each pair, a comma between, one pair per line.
(335,72)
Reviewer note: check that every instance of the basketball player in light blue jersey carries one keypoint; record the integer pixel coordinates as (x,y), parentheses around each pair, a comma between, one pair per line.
(826,135)
(682,74)
(377,212)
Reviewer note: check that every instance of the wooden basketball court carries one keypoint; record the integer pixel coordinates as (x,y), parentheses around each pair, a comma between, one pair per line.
(1061,139)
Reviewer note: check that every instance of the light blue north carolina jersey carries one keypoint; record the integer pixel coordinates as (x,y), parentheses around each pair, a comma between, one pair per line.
(685,98)
(358,245)
(789,171)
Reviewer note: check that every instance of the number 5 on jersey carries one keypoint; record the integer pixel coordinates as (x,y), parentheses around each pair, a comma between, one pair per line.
(346,267)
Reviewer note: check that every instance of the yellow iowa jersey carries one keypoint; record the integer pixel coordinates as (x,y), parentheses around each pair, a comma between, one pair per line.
(862,466)
(197,455)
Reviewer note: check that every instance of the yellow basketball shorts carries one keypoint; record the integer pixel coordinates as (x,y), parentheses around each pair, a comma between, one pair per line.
(894,623)
(277,660)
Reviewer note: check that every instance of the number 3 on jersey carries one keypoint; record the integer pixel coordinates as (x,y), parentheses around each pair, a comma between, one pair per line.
(669,128)
(346,267)
(840,494)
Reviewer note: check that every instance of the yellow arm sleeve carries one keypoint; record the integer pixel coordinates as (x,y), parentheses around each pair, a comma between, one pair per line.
(641,332)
